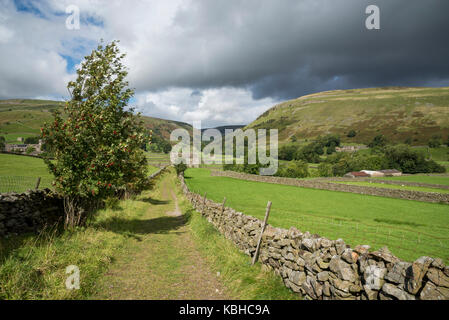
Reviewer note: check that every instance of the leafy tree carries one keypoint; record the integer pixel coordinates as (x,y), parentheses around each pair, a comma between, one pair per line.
(287,152)
(30,150)
(411,161)
(408,141)
(31,140)
(310,153)
(325,170)
(329,141)
(97,144)
(2,143)
(378,141)
(435,142)
(180,168)
(351,134)
(295,169)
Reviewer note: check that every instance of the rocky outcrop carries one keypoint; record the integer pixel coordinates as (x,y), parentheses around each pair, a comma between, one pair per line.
(323,269)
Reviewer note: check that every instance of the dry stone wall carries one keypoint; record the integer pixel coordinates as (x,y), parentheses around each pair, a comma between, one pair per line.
(320,184)
(29,211)
(323,269)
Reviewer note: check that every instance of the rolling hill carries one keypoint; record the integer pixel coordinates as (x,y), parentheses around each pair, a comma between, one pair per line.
(398,113)
(24,118)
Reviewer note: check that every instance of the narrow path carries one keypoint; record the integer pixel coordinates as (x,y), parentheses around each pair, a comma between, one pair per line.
(161,261)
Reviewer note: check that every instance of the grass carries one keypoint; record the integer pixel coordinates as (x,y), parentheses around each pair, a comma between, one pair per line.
(24,117)
(240,277)
(358,219)
(20,173)
(33,267)
(134,250)
(398,113)
(431,179)
(393,186)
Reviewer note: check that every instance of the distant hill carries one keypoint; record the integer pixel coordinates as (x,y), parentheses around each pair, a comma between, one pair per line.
(24,118)
(398,113)
(223,128)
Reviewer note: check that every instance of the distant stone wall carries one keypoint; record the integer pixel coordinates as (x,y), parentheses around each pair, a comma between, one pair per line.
(320,184)
(323,269)
(392,182)
(29,211)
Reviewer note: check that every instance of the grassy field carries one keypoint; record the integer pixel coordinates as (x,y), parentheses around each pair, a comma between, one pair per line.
(19,173)
(157,159)
(431,179)
(393,186)
(409,228)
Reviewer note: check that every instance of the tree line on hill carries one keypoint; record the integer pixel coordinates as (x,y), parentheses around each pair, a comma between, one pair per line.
(322,151)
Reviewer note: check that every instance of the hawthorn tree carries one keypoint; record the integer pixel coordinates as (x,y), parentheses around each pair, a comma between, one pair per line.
(96,143)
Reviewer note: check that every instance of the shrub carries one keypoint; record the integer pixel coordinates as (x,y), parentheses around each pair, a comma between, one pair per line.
(351,134)
(435,142)
(180,168)
(96,145)
(378,141)
(2,143)
(325,170)
(30,150)
(287,152)
(32,140)
(310,153)
(295,169)
(411,161)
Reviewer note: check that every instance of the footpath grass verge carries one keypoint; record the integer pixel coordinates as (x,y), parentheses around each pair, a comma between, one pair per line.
(33,266)
(410,229)
(243,280)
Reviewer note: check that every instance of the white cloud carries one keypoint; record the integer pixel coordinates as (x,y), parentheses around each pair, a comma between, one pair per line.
(233,52)
(214,107)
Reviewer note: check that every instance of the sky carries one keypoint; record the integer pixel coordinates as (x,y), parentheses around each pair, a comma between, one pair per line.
(225,62)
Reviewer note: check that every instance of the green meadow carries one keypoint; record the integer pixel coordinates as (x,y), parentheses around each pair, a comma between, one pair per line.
(431,179)
(394,186)
(20,173)
(410,229)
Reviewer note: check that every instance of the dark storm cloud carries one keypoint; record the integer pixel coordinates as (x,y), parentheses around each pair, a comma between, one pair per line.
(283,49)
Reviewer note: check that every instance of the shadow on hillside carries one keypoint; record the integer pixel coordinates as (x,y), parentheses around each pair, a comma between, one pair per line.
(135,227)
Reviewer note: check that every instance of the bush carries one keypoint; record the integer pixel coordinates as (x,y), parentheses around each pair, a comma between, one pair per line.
(31,140)
(310,153)
(294,169)
(411,161)
(180,168)
(378,141)
(2,143)
(435,142)
(287,152)
(325,170)
(351,134)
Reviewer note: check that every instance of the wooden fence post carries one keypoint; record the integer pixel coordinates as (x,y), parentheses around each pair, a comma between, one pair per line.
(223,205)
(38,182)
(267,213)
(204,203)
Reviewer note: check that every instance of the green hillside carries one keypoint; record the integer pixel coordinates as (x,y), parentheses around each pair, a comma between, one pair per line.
(398,113)
(24,118)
